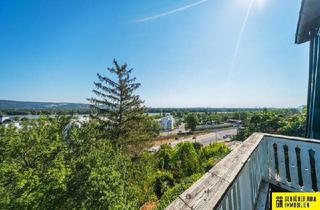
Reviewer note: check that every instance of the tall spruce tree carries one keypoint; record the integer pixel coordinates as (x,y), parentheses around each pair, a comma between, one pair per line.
(119,110)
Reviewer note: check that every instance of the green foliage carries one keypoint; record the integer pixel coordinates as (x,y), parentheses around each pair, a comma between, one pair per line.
(42,167)
(99,174)
(210,154)
(51,163)
(266,122)
(214,150)
(163,181)
(191,121)
(183,165)
(143,171)
(33,173)
(117,108)
(197,146)
(164,156)
(295,125)
(207,164)
(100,181)
(139,135)
(175,191)
(121,113)
(286,122)
(186,160)
(242,134)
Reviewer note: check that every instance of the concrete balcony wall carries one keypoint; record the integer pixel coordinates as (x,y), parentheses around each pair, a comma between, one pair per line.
(294,163)
(236,181)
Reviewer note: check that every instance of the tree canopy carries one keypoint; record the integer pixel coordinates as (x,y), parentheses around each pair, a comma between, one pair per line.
(119,110)
(191,121)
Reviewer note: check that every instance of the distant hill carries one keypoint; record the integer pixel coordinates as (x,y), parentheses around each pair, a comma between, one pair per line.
(10,107)
(27,105)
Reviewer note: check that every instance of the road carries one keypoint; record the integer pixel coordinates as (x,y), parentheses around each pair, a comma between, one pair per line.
(204,139)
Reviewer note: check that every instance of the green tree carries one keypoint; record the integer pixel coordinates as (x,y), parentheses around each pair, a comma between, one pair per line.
(283,121)
(118,109)
(295,125)
(185,161)
(163,181)
(172,193)
(99,174)
(33,171)
(43,166)
(266,122)
(191,121)
(164,156)
(142,176)
(242,134)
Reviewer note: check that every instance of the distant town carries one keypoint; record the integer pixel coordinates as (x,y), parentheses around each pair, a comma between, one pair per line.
(175,125)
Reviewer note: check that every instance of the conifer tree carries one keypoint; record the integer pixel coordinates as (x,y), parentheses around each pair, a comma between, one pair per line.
(119,110)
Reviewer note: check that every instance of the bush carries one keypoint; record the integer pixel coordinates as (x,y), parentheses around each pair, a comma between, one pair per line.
(197,146)
(295,125)
(208,164)
(186,161)
(164,156)
(214,150)
(163,181)
(175,191)
(142,173)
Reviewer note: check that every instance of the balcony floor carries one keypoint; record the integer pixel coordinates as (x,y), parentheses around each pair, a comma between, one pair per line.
(265,191)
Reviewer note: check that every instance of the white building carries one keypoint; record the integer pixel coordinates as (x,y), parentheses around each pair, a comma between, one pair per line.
(3,118)
(166,123)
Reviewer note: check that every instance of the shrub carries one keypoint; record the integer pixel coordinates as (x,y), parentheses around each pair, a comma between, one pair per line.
(185,160)
(143,171)
(214,150)
(175,191)
(208,164)
(197,146)
(164,156)
(163,181)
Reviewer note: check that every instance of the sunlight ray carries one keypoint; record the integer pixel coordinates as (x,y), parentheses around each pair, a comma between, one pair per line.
(236,50)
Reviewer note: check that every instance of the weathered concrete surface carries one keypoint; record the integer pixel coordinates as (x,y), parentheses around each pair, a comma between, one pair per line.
(208,191)
(237,182)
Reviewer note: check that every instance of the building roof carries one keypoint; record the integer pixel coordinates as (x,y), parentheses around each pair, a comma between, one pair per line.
(309,20)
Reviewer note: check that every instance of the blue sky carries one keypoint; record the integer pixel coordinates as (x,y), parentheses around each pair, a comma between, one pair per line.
(181,51)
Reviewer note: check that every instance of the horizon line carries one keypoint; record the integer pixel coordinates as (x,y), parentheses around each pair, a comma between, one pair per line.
(168,107)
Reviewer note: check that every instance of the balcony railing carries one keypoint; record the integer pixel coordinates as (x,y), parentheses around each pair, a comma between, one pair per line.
(241,180)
